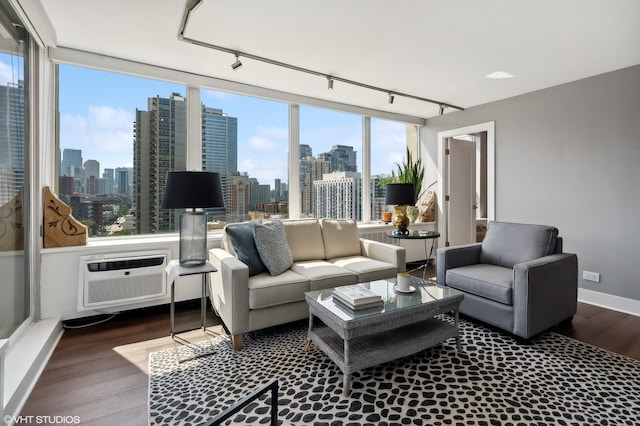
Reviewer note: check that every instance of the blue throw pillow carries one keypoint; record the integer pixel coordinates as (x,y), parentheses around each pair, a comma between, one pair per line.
(241,237)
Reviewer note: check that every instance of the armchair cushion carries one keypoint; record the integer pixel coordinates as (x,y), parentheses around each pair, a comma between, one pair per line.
(240,243)
(272,246)
(488,281)
(340,237)
(507,244)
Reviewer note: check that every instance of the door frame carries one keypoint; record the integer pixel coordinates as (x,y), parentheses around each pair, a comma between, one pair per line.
(443,213)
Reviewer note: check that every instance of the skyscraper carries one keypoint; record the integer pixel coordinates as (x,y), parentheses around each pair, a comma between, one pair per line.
(341,157)
(219,150)
(160,137)
(311,170)
(12,141)
(91,176)
(338,195)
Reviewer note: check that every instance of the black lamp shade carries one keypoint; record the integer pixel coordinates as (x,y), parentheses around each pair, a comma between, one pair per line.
(400,194)
(193,190)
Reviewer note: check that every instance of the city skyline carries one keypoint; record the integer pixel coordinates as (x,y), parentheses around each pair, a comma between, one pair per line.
(98,119)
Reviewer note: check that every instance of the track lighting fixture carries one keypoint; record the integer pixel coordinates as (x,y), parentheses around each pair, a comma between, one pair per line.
(237,64)
(192,5)
(441,110)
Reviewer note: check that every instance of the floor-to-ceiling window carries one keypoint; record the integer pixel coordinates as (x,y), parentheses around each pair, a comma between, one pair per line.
(330,164)
(119,137)
(390,141)
(257,144)
(14,284)
(246,140)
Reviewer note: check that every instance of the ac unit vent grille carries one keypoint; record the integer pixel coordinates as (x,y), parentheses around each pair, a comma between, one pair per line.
(116,265)
(124,288)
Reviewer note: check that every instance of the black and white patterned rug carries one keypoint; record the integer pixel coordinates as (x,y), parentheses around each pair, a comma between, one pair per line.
(495,381)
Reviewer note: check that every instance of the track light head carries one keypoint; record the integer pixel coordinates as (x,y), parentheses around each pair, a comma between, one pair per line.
(441,110)
(237,64)
(391,98)
(329,83)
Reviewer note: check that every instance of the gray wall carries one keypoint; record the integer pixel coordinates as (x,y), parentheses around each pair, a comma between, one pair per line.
(569,156)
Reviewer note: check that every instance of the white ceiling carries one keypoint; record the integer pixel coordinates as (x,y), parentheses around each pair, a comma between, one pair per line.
(439,50)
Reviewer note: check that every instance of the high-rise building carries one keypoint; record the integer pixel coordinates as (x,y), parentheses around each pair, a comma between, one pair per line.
(124,179)
(219,149)
(311,170)
(258,194)
(338,195)
(108,183)
(160,138)
(342,158)
(305,150)
(91,176)
(236,197)
(12,141)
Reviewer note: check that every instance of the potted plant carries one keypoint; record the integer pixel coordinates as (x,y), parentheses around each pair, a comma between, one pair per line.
(411,172)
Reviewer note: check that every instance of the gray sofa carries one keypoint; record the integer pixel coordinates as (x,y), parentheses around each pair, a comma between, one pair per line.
(325,253)
(517,279)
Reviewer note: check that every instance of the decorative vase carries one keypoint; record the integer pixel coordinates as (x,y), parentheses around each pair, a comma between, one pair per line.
(400,220)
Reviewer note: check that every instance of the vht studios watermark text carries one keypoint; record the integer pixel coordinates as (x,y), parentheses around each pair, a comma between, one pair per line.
(42,420)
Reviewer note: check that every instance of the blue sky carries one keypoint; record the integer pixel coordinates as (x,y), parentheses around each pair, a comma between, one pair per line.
(97,111)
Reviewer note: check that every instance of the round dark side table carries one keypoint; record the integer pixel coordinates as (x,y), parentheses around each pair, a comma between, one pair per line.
(421,235)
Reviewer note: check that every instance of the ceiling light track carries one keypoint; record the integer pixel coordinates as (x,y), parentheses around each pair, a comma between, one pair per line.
(192,5)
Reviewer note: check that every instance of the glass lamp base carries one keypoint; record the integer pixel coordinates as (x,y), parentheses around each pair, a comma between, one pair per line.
(193,238)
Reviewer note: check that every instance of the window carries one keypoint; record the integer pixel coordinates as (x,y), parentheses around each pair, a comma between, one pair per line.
(389,143)
(330,164)
(119,137)
(15,292)
(246,140)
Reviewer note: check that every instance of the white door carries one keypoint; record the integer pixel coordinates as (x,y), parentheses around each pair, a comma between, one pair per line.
(461,207)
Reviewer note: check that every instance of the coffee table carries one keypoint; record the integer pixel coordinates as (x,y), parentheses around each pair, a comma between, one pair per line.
(405,325)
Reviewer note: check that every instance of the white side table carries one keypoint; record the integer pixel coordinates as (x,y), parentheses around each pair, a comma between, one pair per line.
(175,270)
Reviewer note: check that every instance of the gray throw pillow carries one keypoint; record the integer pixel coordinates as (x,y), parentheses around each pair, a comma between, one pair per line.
(241,237)
(273,247)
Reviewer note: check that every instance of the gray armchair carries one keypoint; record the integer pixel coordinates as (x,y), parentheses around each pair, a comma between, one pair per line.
(518,279)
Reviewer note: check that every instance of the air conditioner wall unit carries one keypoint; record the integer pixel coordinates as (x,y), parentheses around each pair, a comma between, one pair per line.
(119,279)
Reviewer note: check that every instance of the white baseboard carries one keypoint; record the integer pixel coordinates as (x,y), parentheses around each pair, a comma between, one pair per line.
(616,303)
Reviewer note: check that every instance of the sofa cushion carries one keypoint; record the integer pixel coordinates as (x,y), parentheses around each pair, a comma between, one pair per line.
(488,281)
(238,240)
(271,243)
(305,239)
(506,244)
(366,268)
(268,290)
(340,237)
(322,274)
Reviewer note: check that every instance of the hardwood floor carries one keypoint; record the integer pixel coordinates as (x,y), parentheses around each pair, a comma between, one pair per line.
(99,373)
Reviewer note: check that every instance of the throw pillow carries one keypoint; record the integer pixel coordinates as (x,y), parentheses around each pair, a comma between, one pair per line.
(341,238)
(240,236)
(272,245)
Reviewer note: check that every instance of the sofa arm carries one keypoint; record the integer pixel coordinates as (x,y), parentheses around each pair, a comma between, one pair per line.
(384,252)
(545,292)
(454,257)
(229,290)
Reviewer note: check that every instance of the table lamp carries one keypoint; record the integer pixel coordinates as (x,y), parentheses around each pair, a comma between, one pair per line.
(192,190)
(400,195)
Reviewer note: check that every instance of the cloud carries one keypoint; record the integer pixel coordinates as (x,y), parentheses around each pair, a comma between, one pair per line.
(268,139)
(101,134)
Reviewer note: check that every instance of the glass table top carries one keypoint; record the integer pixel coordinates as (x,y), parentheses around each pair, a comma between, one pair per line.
(426,292)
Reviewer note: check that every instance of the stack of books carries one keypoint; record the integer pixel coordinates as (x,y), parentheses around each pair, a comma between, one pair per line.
(357,297)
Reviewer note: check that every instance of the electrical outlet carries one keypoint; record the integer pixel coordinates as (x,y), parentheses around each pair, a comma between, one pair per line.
(591,276)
